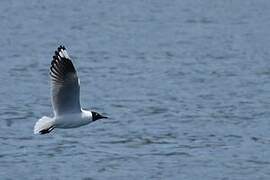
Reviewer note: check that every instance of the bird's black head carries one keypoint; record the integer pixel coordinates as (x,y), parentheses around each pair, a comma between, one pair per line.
(97,116)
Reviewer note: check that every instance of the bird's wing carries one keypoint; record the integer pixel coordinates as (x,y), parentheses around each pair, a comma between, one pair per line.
(65,84)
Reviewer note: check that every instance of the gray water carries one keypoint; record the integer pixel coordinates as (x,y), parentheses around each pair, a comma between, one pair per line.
(186,85)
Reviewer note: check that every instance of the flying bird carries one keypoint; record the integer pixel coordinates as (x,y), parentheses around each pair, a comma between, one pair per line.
(65,90)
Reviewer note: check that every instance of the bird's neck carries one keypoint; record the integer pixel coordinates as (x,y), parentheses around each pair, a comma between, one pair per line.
(87,114)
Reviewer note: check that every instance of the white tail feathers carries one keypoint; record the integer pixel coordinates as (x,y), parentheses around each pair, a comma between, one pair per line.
(44,125)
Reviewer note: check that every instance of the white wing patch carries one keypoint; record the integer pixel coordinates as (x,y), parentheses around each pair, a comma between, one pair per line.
(63,54)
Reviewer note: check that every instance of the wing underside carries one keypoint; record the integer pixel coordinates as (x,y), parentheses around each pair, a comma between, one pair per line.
(65,84)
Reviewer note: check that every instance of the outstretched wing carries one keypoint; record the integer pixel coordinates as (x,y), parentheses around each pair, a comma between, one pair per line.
(65,84)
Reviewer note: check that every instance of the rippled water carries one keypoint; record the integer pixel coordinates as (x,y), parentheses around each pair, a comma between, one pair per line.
(185,84)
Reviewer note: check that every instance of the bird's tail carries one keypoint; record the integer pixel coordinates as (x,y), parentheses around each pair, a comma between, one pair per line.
(44,125)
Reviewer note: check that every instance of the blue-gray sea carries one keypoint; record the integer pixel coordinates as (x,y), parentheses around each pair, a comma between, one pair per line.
(186,84)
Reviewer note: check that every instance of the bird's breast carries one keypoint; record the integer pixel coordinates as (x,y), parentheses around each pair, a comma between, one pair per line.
(70,121)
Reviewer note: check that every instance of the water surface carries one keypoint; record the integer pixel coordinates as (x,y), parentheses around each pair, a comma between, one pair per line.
(185,84)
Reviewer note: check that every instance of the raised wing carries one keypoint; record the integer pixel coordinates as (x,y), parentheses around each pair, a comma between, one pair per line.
(65,84)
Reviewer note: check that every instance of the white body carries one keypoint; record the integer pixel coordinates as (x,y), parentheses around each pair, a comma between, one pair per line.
(66,121)
(73,120)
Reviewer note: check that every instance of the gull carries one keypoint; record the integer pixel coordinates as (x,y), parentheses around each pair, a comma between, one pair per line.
(65,90)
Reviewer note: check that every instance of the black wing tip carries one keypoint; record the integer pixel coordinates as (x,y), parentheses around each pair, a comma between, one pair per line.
(60,65)
(61,47)
(57,51)
(55,57)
